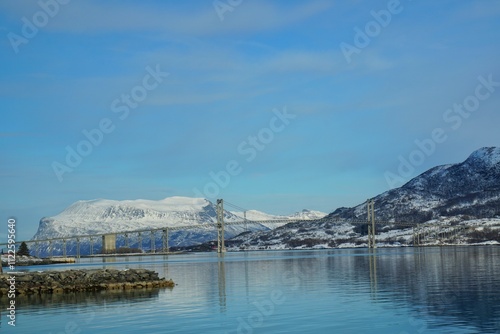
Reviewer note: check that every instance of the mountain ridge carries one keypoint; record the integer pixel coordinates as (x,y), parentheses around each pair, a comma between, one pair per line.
(446,190)
(449,194)
(101,216)
(466,193)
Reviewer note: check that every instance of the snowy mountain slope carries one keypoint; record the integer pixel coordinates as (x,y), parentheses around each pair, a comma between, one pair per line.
(107,216)
(463,193)
(259,215)
(103,216)
(325,234)
(308,214)
(254,215)
(469,188)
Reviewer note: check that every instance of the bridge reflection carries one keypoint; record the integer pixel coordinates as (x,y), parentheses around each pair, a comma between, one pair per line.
(222,282)
(372,258)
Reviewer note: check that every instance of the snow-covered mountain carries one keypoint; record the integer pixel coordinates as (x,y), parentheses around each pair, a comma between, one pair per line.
(466,193)
(307,214)
(254,215)
(469,188)
(107,216)
(102,216)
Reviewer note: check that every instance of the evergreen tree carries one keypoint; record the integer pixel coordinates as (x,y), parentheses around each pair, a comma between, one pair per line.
(23,249)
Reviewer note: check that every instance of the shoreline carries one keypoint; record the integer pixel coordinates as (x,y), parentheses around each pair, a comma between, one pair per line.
(34,261)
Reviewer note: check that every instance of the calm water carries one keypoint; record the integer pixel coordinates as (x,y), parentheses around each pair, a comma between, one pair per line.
(404,291)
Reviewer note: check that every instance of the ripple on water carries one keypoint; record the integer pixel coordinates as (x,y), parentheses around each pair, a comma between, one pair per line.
(433,290)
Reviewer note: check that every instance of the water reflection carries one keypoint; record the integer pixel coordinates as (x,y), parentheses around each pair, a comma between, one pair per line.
(221,275)
(441,285)
(62,300)
(373,272)
(108,260)
(445,283)
(434,290)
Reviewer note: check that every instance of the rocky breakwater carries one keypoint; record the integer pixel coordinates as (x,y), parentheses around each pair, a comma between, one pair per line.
(25,283)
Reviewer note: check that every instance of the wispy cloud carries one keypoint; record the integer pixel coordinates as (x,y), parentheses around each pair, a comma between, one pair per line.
(101,17)
(479,9)
(17,134)
(353,120)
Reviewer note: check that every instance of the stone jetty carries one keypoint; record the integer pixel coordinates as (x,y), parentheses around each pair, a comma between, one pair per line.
(25,283)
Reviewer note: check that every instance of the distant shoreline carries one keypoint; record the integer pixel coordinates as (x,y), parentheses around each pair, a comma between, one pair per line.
(35,261)
(132,254)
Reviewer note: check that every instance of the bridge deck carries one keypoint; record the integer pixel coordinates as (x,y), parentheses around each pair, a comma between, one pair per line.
(213,226)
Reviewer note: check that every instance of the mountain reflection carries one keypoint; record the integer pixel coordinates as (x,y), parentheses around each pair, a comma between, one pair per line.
(456,282)
(408,290)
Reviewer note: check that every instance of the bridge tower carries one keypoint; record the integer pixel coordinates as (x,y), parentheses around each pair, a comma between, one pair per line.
(220,226)
(370,209)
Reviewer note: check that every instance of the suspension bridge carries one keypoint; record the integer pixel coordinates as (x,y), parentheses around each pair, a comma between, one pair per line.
(108,241)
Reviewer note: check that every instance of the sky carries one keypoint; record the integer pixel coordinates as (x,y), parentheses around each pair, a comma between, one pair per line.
(276,106)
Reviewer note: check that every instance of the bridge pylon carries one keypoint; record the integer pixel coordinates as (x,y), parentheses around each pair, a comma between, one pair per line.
(221,248)
(164,239)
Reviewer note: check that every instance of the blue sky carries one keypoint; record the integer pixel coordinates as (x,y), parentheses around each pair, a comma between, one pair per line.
(231,71)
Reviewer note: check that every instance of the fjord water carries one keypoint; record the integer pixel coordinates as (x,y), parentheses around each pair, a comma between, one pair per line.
(403,291)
